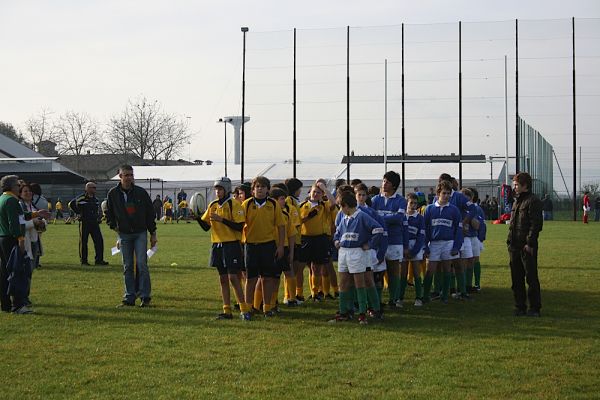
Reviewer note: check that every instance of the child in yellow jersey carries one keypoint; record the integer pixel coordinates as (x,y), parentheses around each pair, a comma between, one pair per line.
(315,219)
(226,218)
(168,211)
(285,263)
(264,236)
(294,188)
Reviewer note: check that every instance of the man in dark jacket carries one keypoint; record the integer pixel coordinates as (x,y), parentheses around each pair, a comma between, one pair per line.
(525,225)
(87,207)
(131,215)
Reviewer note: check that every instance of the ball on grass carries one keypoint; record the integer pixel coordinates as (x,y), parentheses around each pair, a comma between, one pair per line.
(173,264)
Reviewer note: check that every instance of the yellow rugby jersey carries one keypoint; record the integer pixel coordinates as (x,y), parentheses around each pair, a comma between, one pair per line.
(294,214)
(332,215)
(262,223)
(231,210)
(317,225)
(290,229)
(168,206)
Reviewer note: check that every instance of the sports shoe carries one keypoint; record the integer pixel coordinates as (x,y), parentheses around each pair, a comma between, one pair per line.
(477,289)
(291,303)
(418,303)
(300,299)
(125,304)
(336,295)
(247,316)
(85,263)
(435,296)
(362,319)
(225,316)
(517,312)
(370,312)
(269,314)
(377,315)
(456,296)
(23,310)
(444,301)
(145,303)
(338,318)
(329,297)
(533,313)
(101,263)
(399,303)
(236,306)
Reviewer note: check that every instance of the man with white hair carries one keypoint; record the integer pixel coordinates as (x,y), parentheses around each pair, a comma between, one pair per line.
(87,207)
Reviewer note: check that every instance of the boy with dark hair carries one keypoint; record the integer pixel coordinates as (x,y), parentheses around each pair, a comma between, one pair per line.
(414,252)
(226,218)
(392,207)
(285,263)
(352,237)
(264,236)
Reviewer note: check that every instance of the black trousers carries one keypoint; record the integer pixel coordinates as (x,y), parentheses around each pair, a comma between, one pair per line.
(86,229)
(523,268)
(6,303)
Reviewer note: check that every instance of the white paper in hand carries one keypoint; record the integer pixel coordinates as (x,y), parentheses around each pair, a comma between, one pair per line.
(151,251)
(115,250)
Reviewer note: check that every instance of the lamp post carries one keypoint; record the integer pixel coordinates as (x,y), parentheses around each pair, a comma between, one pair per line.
(225,121)
(244,30)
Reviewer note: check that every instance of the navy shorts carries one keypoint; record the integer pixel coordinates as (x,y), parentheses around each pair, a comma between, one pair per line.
(260,260)
(284,264)
(315,249)
(226,257)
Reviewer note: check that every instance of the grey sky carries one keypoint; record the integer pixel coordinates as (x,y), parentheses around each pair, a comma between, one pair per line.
(94,56)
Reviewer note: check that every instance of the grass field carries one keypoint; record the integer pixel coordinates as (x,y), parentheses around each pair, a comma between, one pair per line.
(77,345)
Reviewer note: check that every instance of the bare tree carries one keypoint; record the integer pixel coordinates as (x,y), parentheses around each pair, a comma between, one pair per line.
(145,130)
(76,133)
(7,129)
(39,127)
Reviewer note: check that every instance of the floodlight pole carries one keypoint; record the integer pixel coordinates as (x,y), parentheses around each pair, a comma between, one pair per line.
(225,121)
(506,118)
(348,103)
(574,133)
(403,130)
(459,104)
(244,30)
(294,155)
(385,129)
(517,122)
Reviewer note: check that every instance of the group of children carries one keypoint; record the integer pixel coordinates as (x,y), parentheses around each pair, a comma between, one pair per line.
(261,231)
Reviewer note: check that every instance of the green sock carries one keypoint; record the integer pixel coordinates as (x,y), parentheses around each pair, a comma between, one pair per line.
(477,272)
(353,298)
(460,279)
(453,281)
(469,277)
(418,288)
(373,298)
(380,294)
(362,300)
(402,290)
(437,281)
(344,302)
(446,285)
(393,287)
(427,286)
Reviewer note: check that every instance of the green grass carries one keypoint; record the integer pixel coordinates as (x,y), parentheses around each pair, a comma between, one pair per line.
(77,345)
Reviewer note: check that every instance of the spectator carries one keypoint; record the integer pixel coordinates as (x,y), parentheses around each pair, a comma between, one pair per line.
(157,205)
(597,207)
(87,208)
(586,206)
(547,207)
(33,228)
(181,196)
(431,196)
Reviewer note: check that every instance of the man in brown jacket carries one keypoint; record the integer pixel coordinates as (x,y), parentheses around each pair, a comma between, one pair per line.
(525,225)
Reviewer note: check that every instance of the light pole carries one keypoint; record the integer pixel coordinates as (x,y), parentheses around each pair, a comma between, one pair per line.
(225,121)
(244,30)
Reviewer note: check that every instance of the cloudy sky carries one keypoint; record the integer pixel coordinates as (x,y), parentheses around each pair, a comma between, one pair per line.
(94,56)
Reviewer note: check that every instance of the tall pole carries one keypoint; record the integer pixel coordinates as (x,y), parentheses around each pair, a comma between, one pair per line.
(517,159)
(403,128)
(460,103)
(244,30)
(294,113)
(348,104)
(385,123)
(574,133)
(225,146)
(506,118)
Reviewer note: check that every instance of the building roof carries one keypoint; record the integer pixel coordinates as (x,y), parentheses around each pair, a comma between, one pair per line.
(11,149)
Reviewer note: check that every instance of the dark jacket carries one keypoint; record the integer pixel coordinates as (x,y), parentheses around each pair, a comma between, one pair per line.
(130,211)
(526,221)
(86,207)
(19,269)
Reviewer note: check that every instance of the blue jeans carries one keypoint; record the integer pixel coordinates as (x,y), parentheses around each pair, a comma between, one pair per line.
(137,277)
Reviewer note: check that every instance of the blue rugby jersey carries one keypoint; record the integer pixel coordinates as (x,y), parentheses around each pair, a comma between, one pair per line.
(383,242)
(416,232)
(443,223)
(393,211)
(482,231)
(356,230)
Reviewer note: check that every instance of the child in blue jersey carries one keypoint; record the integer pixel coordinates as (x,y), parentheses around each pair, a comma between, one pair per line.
(353,236)
(376,267)
(414,252)
(477,245)
(392,207)
(443,239)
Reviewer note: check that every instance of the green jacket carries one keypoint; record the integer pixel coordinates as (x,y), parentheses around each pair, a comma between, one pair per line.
(12,221)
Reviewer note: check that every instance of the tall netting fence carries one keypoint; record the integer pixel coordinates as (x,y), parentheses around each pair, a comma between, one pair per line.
(460,88)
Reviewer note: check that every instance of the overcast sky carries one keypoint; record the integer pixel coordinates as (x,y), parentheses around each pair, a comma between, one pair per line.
(94,56)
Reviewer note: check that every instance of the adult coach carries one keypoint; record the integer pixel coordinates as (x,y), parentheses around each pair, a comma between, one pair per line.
(87,207)
(130,214)
(525,225)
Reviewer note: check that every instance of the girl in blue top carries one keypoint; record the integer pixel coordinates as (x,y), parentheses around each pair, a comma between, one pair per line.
(443,238)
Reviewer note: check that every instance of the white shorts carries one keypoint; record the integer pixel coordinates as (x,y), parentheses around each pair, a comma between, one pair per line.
(475,246)
(419,255)
(394,252)
(465,250)
(353,260)
(375,265)
(481,247)
(440,250)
